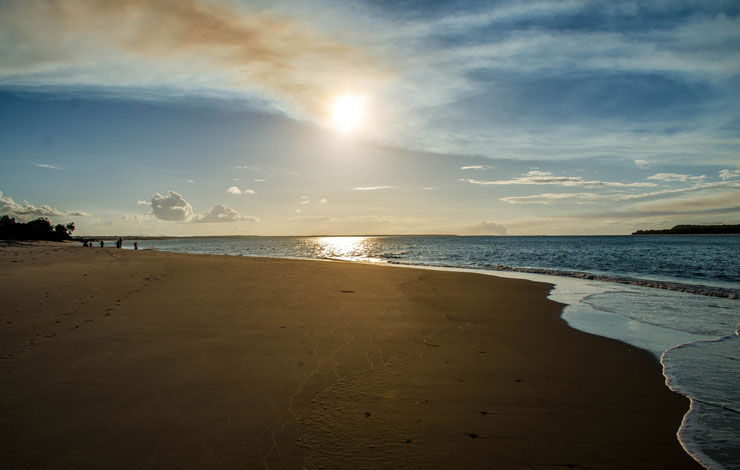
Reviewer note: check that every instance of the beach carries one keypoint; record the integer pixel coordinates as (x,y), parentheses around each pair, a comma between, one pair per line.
(144,359)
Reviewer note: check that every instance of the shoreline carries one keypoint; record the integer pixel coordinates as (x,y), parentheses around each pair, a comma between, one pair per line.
(164,358)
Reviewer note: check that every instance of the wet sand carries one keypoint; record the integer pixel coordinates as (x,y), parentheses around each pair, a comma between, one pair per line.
(138,359)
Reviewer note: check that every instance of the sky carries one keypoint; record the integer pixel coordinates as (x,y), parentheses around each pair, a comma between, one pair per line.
(362,117)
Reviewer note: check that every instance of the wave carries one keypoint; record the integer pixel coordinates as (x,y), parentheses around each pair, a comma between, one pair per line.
(668,285)
(709,429)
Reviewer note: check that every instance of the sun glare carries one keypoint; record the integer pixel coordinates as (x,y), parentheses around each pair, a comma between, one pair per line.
(347,113)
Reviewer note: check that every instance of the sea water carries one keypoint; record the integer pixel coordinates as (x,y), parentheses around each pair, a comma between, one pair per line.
(675,296)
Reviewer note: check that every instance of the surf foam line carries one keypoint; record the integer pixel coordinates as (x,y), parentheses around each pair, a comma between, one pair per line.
(710,291)
(687,433)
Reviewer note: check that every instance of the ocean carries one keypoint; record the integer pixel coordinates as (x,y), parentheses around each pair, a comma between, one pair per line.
(675,296)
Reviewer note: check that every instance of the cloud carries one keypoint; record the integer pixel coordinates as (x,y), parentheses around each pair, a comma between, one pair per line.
(642,163)
(323,201)
(304,200)
(259,180)
(143,203)
(372,188)
(25,209)
(483,228)
(550,198)
(79,214)
(691,204)
(235,190)
(729,174)
(476,167)
(675,177)
(195,43)
(222,213)
(44,165)
(190,181)
(546,177)
(171,207)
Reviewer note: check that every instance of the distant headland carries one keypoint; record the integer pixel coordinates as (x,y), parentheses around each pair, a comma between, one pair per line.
(693,230)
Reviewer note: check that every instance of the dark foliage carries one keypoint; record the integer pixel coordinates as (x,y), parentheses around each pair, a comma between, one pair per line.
(39,229)
(693,230)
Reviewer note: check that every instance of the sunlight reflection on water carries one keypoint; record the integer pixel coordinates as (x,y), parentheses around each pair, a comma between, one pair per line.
(343,248)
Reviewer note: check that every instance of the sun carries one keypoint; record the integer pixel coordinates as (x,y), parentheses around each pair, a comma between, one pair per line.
(348,113)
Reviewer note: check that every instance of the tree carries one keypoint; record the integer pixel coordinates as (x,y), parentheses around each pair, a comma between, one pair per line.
(39,229)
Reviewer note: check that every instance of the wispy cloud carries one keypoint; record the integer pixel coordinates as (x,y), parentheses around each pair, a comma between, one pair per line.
(547,178)
(476,167)
(692,204)
(195,44)
(44,165)
(729,174)
(372,188)
(550,198)
(676,177)
(642,163)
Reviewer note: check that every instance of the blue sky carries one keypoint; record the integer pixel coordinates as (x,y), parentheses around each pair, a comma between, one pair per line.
(215,117)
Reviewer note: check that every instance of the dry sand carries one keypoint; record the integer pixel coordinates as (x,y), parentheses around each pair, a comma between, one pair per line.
(124,359)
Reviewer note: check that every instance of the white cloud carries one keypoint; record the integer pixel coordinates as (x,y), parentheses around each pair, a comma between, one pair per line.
(143,203)
(729,174)
(25,209)
(372,188)
(546,177)
(549,198)
(259,180)
(675,177)
(51,167)
(476,167)
(429,188)
(323,201)
(235,190)
(190,181)
(171,207)
(304,200)
(222,213)
(642,163)
(483,228)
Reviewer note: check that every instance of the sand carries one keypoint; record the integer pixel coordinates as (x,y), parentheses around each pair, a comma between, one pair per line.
(139,359)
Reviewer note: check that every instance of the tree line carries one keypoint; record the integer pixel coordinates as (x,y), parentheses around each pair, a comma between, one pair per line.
(39,229)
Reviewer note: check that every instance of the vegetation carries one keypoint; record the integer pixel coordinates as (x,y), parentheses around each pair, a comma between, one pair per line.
(693,230)
(39,229)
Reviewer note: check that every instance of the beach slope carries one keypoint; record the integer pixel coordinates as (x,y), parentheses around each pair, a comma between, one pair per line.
(140,359)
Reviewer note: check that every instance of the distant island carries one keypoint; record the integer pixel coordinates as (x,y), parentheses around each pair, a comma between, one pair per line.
(693,230)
